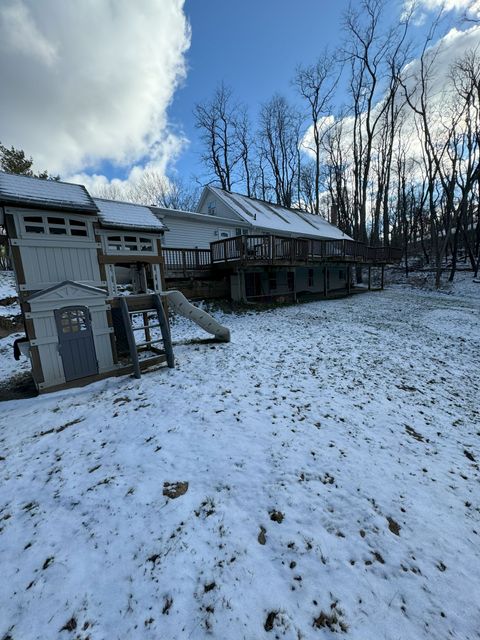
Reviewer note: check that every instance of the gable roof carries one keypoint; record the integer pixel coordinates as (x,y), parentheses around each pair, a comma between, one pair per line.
(45,194)
(125,215)
(70,288)
(197,217)
(277,219)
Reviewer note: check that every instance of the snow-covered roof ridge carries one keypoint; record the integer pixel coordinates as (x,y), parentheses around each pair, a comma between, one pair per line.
(126,215)
(278,219)
(37,192)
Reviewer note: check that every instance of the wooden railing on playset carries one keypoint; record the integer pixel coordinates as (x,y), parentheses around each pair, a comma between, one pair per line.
(271,249)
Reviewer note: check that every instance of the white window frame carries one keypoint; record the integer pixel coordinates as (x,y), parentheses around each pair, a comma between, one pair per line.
(129,247)
(68,224)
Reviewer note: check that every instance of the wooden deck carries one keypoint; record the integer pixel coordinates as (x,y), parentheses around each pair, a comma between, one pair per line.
(258,250)
(279,250)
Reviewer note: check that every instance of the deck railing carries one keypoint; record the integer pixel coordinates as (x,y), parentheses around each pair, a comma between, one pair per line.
(184,260)
(273,249)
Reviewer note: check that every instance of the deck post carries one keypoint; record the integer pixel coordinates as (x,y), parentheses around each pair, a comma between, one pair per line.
(325,280)
(383,276)
(369,277)
(348,279)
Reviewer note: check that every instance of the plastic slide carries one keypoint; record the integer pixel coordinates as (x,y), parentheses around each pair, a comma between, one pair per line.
(186,309)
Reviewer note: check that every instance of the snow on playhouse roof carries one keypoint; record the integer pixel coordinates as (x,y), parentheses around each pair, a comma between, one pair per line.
(275,218)
(45,194)
(125,215)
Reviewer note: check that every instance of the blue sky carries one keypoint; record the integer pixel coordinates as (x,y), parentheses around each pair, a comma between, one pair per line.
(253,46)
(101,90)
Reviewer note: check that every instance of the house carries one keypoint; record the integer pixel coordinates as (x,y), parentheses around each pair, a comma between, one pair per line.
(261,250)
(190,230)
(66,248)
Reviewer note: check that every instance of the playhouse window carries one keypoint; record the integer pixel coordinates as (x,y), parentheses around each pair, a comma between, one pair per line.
(146,244)
(114,243)
(55,225)
(78,228)
(34,224)
(73,321)
(135,244)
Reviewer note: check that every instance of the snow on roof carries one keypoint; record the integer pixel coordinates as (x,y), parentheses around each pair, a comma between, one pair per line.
(279,219)
(126,215)
(27,191)
(198,217)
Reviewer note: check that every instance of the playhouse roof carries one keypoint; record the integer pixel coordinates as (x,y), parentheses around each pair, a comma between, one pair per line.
(125,215)
(45,194)
(277,219)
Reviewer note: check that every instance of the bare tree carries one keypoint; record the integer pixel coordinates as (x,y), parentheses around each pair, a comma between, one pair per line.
(280,136)
(316,84)
(372,53)
(218,122)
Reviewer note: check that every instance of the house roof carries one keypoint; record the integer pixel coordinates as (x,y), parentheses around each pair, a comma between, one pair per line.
(275,218)
(125,215)
(46,194)
(199,217)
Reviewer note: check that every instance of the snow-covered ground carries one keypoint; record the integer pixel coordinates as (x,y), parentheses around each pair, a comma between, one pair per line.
(331,455)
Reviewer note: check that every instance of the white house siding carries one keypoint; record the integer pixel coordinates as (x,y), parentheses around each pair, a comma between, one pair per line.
(190,233)
(221,209)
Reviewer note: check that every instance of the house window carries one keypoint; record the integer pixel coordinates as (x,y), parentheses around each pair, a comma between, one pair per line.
(310,277)
(211,208)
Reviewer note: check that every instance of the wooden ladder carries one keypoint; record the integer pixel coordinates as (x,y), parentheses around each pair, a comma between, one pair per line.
(150,304)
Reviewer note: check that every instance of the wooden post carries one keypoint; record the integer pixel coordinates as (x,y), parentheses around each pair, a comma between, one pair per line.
(383,276)
(130,337)
(348,279)
(325,288)
(369,277)
(148,336)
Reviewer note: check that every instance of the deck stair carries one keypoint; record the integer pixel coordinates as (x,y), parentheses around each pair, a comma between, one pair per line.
(152,311)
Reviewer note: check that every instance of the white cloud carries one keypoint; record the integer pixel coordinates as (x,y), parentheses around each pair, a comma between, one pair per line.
(89,81)
(470,7)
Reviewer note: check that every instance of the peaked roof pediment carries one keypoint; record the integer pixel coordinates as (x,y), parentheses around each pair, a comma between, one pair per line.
(68,290)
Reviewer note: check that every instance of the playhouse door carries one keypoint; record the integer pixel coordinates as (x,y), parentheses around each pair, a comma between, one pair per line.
(75,340)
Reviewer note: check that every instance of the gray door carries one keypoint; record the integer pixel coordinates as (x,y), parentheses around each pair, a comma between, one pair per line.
(76,344)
